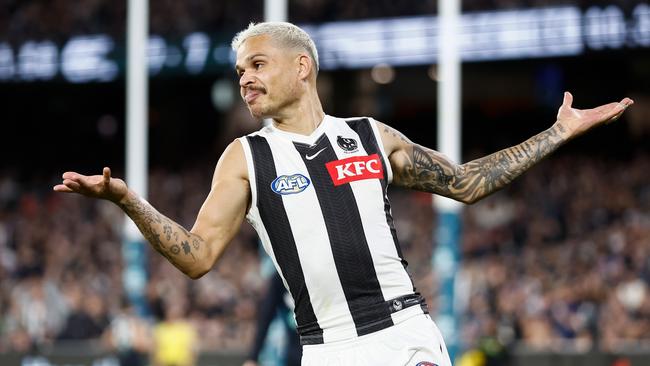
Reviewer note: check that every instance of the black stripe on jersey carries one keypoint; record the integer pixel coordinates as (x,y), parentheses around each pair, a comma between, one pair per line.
(276,222)
(350,250)
(364,130)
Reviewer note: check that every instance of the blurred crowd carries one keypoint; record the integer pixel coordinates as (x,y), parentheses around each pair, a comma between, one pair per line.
(560,258)
(61,268)
(56,20)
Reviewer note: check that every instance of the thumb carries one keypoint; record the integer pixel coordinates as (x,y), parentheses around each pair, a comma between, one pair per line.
(107,175)
(568,100)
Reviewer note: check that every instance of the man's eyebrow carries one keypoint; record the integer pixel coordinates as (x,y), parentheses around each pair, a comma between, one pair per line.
(254,55)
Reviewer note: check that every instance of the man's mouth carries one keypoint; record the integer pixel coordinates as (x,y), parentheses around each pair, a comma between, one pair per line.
(252,95)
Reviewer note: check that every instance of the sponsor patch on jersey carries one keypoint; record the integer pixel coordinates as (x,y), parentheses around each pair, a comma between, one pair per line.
(290,184)
(397,305)
(355,168)
(349,145)
(425,363)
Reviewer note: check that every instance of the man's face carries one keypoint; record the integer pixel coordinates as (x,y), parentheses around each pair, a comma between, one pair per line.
(268,76)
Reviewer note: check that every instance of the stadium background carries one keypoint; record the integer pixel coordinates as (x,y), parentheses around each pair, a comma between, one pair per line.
(555,268)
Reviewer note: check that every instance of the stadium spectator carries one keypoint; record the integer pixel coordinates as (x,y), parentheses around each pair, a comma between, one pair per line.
(86,316)
(129,336)
(175,340)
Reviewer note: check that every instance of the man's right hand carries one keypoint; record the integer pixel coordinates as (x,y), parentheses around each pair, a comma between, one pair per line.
(95,186)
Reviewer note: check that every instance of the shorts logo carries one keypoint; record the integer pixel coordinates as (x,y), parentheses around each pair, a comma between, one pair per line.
(290,184)
(347,144)
(355,168)
(425,363)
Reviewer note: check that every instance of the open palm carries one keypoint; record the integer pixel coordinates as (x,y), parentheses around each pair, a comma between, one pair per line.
(96,186)
(578,121)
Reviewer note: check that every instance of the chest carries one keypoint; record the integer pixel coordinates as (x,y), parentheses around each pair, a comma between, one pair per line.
(333,160)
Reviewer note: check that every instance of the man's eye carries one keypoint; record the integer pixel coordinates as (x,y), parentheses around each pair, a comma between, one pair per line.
(258,65)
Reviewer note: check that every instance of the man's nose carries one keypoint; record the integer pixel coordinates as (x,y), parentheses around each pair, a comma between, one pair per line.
(245,80)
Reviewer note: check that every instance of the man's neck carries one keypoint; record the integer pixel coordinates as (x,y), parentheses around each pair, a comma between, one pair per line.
(304,118)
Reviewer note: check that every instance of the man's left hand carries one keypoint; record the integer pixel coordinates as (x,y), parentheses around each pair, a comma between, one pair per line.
(577,121)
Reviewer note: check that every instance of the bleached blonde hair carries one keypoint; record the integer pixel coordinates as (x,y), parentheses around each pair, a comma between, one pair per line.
(287,34)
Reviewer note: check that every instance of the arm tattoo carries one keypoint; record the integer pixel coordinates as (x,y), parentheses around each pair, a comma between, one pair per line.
(396,133)
(427,170)
(164,235)
(186,247)
(426,173)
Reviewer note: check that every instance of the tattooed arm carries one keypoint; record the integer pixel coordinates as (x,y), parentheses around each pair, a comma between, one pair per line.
(423,169)
(194,252)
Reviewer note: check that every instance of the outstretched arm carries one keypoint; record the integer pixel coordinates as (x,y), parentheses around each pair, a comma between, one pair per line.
(423,169)
(194,252)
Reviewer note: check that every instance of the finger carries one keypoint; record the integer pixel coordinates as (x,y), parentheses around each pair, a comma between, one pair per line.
(626,102)
(62,188)
(568,100)
(70,175)
(107,175)
(607,111)
(75,186)
(614,118)
(616,109)
(619,107)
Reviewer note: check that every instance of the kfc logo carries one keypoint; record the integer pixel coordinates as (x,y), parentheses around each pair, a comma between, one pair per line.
(355,168)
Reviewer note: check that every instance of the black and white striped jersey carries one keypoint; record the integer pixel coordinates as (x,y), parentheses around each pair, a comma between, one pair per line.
(320,207)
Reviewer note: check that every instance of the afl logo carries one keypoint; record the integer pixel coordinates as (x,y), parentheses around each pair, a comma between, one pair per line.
(347,144)
(290,184)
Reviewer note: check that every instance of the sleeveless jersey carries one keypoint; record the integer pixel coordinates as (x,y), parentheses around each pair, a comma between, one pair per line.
(320,207)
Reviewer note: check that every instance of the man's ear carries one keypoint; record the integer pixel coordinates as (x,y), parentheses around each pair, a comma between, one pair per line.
(305,66)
